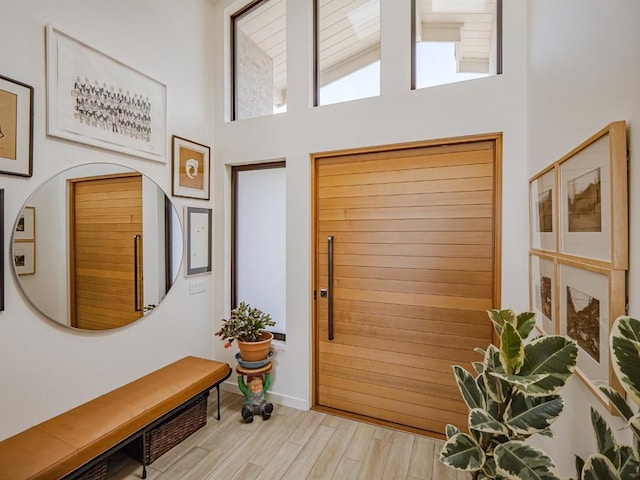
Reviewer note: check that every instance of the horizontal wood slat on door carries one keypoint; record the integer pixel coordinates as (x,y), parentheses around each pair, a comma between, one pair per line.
(451,315)
(409,274)
(413,225)
(392,155)
(456,172)
(430,288)
(403,188)
(413,275)
(395,359)
(400,213)
(411,249)
(480,197)
(431,238)
(413,324)
(434,382)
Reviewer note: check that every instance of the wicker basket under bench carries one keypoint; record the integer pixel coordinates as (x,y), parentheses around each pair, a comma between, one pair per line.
(158,410)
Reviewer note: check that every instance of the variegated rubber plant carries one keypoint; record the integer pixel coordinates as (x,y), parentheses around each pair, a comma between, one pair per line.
(614,461)
(513,395)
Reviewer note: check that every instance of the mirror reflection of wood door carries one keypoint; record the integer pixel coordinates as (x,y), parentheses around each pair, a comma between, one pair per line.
(106,251)
(412,234)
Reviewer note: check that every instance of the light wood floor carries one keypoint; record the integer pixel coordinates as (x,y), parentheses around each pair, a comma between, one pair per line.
(292,445)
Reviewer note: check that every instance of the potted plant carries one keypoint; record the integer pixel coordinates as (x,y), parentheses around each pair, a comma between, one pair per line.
(246,325)
(614,461)
(513,395)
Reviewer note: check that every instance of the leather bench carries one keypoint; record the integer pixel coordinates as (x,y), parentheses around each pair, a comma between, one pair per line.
(71,443)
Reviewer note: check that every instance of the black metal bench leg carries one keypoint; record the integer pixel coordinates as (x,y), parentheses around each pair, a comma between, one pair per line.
(218,391)
(144,460)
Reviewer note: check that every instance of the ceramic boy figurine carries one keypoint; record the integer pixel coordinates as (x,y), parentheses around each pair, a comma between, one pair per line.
(255,392)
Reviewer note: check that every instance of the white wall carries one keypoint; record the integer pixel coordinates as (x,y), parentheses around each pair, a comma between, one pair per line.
(46,369)
(495,104)
(583,73)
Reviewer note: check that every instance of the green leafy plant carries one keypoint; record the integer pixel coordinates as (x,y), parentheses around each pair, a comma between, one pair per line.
(614,461)
(245,324)
(513,396)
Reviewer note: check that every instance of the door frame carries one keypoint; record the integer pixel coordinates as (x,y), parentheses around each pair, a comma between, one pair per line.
(316,158)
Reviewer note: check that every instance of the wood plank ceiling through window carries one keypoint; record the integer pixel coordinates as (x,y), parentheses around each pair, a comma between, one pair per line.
(350,33)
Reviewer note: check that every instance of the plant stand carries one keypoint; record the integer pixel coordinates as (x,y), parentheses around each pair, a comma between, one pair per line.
(254,389)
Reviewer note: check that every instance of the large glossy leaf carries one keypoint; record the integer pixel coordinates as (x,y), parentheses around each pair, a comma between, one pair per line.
(468,388)
(497,389)
(478,367)
(525,323)
(501,317)
(492,359)
(462,452)
(579,466)
(518,460)
(547,432)
(519,380)
(629,466)
(529,415)
(554,355)
(625,345)
(489,468)
(605,440)
(511,349)
(451,430)
(482,421)
(599,467)
(617,400)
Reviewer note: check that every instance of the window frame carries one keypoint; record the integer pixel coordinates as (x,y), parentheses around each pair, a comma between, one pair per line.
(234,224)
(234,70)
(414,33)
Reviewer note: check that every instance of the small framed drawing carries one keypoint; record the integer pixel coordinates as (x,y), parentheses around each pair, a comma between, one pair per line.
(24,257)
(1,249)
(190,168)
(542,210)
(97,100)
(198,223)
(16,127)
(593,199)
(542,292)
(590,299)
(26,225)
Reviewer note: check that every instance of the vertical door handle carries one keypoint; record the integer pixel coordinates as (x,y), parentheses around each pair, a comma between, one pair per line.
(136,266)
(330,287)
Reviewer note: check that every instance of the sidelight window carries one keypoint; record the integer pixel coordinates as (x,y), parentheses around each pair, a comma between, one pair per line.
(259,240)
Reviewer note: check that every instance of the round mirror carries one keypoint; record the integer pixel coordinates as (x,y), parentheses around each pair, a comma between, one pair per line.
(97,246)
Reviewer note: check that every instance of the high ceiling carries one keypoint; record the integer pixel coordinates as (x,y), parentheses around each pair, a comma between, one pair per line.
(349,36)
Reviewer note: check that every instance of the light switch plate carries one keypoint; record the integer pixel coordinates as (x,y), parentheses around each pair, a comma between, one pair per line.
(197,286)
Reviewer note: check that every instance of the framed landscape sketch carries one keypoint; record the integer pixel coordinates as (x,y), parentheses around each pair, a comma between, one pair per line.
(98,100)
(16,127)
(593,199)
(542,210)
(198,225)
(190,168)
(590,299)
(26,225)
(542,292)
(24,257)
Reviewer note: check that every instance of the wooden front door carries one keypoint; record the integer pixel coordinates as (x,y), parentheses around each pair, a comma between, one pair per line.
(106,251)
(413,235)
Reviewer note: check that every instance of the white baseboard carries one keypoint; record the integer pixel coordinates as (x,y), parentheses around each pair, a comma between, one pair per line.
(275,397)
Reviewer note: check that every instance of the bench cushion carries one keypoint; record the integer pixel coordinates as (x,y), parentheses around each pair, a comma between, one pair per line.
(58,446)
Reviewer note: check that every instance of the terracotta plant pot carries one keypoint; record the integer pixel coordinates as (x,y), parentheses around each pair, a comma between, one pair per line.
(255,351)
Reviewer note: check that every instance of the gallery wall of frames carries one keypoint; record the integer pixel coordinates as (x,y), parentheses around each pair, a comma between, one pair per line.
(97,100)
(579,249)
